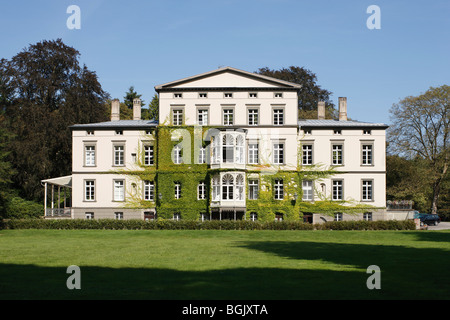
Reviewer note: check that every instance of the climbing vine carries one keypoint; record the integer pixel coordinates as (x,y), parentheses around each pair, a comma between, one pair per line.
(189,173)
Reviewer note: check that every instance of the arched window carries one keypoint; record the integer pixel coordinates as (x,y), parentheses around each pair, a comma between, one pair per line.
(216,188)
(239,149)
(227,187)
(240,187)
(227,148)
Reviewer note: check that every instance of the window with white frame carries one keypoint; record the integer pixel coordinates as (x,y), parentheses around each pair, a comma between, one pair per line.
(119,155)
(337,154)
(227,148)
(307,150)
(367,216)
(278,189)
(278,153)
(253,117)
(228,119)
(227,187)
(278,95)
(178,95)
(202,117)
(253,189)
(253,153)
(367,150)
(239,187)
(119,190)
(216,188)
(149,190)
(148,155)
(202,155)
(90,133)
(177,190)
(367,132)
(278,117)
(177,157)
(239,149)
(89,190)
(228,95)
(89,156)
(308,190)
(253,216)
(201,191)
(118,215)
(337,190)
(89,215)
(203,95)
(367,190)
(177,115)
(253,95)
(177,216)
(338,217)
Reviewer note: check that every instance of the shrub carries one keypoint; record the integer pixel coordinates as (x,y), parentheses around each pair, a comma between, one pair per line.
(161,224)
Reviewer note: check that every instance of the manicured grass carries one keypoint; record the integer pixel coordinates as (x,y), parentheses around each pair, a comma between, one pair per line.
(224,264)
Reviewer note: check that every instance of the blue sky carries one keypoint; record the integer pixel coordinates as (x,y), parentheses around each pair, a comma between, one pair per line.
(146,43)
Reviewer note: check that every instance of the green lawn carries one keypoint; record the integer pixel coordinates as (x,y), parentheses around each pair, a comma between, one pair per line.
(224,264)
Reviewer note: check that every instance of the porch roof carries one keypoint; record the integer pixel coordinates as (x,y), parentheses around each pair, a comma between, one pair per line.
(60,181)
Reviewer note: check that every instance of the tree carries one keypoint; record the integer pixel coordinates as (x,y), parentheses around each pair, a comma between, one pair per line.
(152,113)
(310,93)
(6,170)
(51,92)
(420,129)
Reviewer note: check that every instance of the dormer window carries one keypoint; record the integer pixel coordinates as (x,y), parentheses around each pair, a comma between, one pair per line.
(178,95)
(228,95)
(203,95)
(337,132)
(253,95)
(278,95)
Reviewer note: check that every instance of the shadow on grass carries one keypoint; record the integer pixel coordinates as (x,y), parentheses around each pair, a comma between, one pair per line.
(406,272)
(34,282)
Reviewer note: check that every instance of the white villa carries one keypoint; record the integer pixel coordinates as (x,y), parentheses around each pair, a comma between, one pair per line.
(120,168)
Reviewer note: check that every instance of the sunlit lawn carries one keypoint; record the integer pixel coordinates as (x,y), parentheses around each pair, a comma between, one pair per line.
(224,264)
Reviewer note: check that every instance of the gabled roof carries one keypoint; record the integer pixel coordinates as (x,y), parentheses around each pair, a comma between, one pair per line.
(120,124)
(275,83)
(353,124)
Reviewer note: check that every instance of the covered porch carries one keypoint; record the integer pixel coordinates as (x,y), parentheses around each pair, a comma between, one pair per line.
(60,197)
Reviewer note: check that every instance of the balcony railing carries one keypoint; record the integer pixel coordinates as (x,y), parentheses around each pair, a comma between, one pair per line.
(58,212)
(399,204)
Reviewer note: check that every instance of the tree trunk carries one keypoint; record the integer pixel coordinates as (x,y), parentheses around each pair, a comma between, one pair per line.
(437,190)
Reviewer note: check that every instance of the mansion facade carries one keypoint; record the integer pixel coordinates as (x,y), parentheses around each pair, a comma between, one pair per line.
(228,145)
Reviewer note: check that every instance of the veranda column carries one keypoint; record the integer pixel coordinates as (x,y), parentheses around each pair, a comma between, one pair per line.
(45,199)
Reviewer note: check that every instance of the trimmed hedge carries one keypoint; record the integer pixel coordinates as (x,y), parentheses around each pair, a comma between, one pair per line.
(161,224)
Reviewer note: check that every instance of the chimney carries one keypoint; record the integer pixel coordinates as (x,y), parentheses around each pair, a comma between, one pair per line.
(137,109)
(115,110)
(321,110)
(342,109)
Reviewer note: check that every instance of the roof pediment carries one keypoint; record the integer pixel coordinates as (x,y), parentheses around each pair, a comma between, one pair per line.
(227,78)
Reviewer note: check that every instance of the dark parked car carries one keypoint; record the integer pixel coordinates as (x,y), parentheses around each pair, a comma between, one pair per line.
(426,218)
